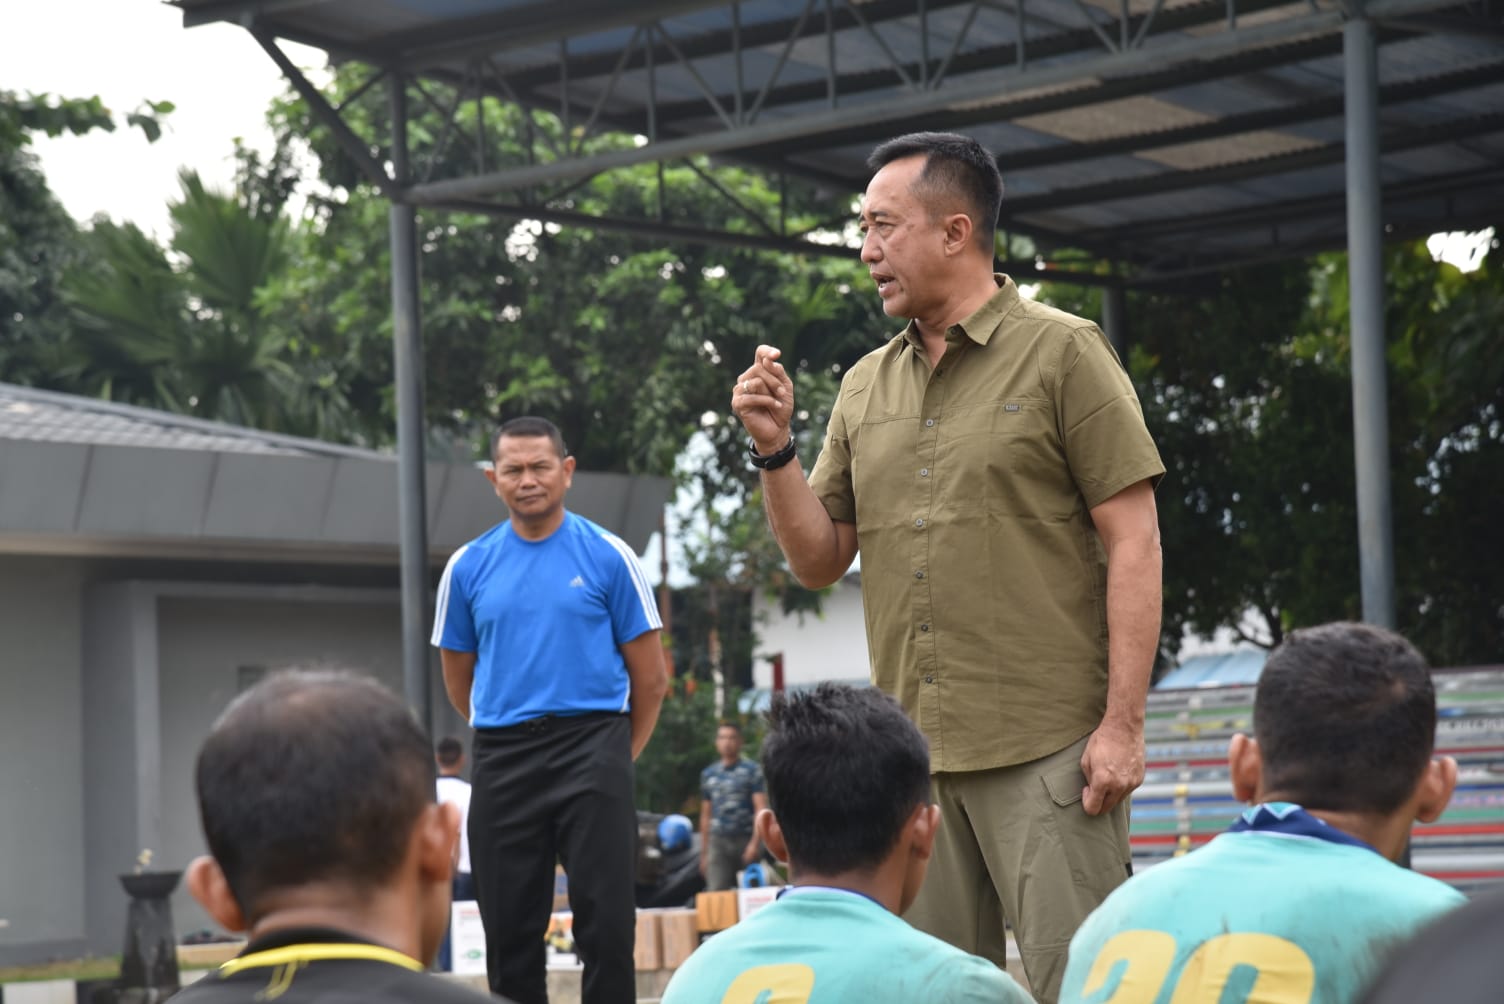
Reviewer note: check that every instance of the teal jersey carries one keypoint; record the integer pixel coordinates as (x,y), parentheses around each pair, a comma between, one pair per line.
(832,947)
(1254,917)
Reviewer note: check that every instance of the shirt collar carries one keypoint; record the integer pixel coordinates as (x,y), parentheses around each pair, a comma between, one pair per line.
(794,890)
(313,944)
(1286,819)
(982,323)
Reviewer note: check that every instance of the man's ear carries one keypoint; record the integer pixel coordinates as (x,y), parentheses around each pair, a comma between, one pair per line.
(436,837)
(771,834)
(208,885)
(1435,788)
(1245,766)
(490,473)
(958,233)
(923,827)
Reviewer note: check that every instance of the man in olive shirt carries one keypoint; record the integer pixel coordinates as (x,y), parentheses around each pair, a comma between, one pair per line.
(992,464)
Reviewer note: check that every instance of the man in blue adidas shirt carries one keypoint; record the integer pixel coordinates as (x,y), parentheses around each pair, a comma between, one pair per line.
(848,778)
(549,639)
(1301,900)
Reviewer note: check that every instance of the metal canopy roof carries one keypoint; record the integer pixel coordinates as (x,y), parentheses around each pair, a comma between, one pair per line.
(1173,136)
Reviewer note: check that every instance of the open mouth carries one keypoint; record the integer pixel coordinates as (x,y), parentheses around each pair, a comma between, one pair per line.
(884,283)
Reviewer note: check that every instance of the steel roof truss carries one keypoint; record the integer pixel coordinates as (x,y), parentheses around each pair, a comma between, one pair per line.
(976,91)
(1062,42)
(783,58)
(358,149)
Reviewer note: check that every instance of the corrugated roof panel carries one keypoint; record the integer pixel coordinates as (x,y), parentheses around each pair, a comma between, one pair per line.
(1227,150)
(1110,119)
(1421,54)
(1468,102)
(1226,669)
(1432,160)
(1078,174)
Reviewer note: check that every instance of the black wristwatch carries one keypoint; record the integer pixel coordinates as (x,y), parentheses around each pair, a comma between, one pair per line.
(772,461)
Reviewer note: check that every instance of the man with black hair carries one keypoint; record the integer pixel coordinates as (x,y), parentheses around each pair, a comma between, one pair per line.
(992,464)
(849,810)
(549,638)
(731,796)
(1301,900)
(316,794)
(449,752)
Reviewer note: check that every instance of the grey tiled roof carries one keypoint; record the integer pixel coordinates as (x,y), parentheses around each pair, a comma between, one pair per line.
(47,416)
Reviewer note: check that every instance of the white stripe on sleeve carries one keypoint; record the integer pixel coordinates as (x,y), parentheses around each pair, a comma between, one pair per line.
(441,602)
(639,579)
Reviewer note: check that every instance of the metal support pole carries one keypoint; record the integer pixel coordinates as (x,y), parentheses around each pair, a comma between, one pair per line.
(407,353)
(1365,236)
(1115,319)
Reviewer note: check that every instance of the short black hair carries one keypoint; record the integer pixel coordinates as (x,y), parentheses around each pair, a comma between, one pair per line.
(733,726)
(530,426)
(312,776)
(449,750)
(1345,717)
(845,768)
(955,167)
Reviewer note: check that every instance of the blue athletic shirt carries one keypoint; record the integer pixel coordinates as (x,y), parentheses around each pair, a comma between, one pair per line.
(546,620)
(1283,909)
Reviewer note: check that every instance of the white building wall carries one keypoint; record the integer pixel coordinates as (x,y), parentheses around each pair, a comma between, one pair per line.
(41,756)
(828,646)
(203,645)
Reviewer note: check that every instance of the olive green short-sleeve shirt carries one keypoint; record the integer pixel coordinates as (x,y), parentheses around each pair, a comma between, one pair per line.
(983,581)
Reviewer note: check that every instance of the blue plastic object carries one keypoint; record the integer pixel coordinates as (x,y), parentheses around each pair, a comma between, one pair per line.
(753,877)
(675,832)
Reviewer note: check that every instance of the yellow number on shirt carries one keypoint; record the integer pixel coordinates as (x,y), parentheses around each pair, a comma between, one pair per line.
(784,984)
(1147,955)
(1283,972)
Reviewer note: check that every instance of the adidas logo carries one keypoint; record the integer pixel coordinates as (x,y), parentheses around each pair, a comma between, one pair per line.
(576,582)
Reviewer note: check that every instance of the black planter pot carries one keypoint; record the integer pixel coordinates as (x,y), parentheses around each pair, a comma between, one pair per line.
(149,964)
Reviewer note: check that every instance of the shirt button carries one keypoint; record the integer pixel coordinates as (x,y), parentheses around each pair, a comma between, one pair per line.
(919,575)
(929,679)
(924,627)
(924,472)
(929,421)
(919,522)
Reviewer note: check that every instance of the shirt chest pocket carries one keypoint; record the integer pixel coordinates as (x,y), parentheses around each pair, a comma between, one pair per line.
(1004,456)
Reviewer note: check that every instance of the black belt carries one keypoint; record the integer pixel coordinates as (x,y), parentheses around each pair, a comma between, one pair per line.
(546,723)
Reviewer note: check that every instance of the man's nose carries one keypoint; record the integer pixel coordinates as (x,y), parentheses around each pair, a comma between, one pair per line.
(871,252)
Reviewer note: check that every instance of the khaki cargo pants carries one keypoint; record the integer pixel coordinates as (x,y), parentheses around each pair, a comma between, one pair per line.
(1015,843)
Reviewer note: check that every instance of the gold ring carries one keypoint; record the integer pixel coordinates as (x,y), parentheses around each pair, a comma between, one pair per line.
(746,386)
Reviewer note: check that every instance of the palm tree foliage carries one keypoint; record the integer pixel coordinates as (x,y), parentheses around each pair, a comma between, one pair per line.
(186,327)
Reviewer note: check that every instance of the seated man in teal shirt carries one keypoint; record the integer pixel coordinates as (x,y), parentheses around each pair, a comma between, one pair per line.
(1301,901)
(848,779)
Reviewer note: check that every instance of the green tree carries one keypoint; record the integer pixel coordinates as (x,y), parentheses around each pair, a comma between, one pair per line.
(1247,389)
(628,343)
(39,242)
(668,772)
(182,328)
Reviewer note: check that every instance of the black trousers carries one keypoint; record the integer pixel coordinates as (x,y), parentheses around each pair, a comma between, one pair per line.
(556,788)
